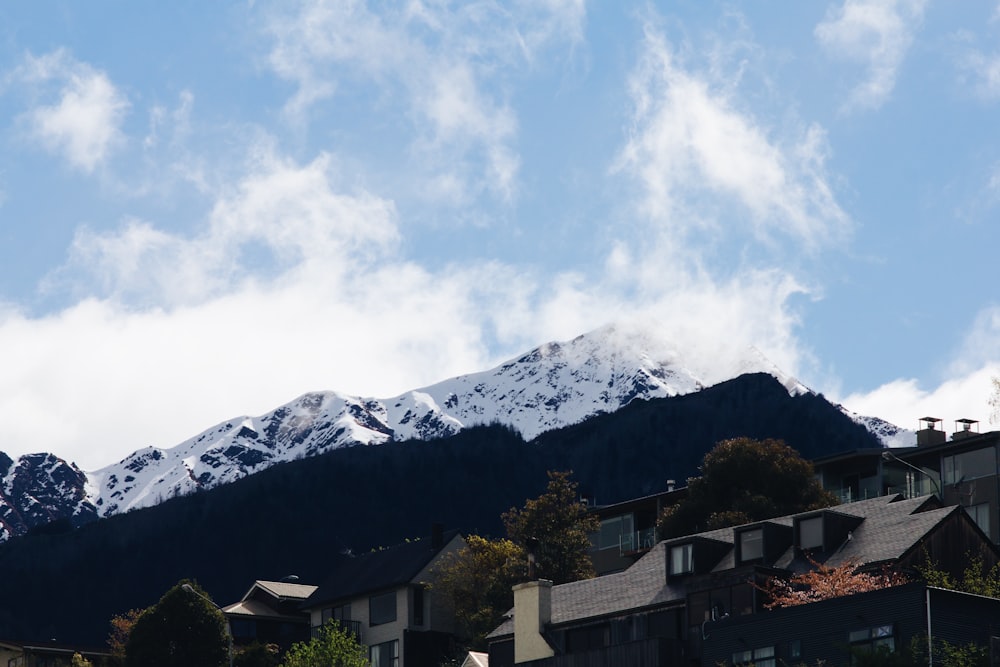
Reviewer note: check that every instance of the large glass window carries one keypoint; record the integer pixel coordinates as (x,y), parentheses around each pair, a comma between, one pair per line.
(970,465)
(616,532)
(681,559)
(382,608)
(758,657)
(981,515)
(811,533)
(878,638)
(385,654)
(752,544)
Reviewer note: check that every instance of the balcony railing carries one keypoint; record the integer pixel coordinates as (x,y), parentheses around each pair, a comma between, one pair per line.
(353,627)
(640,540)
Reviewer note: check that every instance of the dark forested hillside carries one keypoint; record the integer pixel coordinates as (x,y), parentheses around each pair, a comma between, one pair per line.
(297,518)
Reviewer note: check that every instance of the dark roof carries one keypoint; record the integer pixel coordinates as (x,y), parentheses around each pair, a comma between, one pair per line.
(890,527)
(377,570)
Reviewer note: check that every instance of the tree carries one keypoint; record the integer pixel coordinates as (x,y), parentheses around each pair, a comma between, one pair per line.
(557,527)
(333,646)
(79,661)
(183,629)
(977,578)
(745,480)
(257,655)
(478,579)
(121,627)
(826,582)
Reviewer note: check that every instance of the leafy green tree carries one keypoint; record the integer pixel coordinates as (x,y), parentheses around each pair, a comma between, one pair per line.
(745,480)
(257,655)
(557,528)
(977,578)
(79,661)
(333,646)
(183,629)
(478,579)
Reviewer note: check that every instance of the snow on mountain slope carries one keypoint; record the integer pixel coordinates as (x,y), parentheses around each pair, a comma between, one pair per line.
(554,385)
(38,489)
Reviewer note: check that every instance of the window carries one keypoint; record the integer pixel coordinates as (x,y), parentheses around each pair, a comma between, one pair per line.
(418,605)
(981,515)
(382,608)
(970,465)
(616,532)
(811,533)
(758,657)
(341,613)
(878,638)
(680,559)
(752,544)
(385,654)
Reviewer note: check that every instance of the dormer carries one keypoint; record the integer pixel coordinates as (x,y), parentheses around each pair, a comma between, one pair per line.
(762,542)
(824,530)
(694,555)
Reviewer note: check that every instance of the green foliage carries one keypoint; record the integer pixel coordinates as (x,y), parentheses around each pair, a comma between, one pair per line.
(183,629)
(478,580)
(560,524)
(79,661)
(977,578)
(333,646)
(946,654)
(257,655)
(745,480)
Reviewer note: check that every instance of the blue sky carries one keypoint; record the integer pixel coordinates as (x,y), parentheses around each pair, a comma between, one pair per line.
(207,209)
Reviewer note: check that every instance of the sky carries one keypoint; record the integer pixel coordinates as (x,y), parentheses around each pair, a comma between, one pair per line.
(208,209)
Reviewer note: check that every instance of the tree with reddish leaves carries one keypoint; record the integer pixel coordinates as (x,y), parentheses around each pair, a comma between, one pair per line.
(825,582)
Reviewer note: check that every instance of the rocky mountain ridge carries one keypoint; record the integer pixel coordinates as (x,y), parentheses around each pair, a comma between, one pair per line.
(555,385)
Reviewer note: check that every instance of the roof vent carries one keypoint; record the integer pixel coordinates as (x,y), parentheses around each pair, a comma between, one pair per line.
(929,434)
(964,428)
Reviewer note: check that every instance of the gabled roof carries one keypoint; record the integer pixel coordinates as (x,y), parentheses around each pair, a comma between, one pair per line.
(378,570)
(265,598)
(889,527)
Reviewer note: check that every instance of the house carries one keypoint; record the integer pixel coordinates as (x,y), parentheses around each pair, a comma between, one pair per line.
(671,605)
(270,613)
(47,654)
(961,470)
(386,599)
(628,529)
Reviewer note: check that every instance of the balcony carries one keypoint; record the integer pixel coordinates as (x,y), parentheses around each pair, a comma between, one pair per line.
(353,627)
(636,541)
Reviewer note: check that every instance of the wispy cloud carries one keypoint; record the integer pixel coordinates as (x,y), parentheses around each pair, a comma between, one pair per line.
(877,34)
(436,60)
(709,169)
(78,111)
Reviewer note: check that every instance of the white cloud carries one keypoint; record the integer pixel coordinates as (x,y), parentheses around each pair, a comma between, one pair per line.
(439,62)
(703,163)
(84,121)
(877,33)
(964,394)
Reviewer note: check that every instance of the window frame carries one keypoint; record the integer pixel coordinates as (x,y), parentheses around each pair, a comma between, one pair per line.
(685,565)
(759,546)
(379,649)
(374,602)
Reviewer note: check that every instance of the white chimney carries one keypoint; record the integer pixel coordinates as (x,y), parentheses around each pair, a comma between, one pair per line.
(532,612)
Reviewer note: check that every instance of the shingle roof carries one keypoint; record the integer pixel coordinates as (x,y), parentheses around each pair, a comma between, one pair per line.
(282,589)
(375,571)
(890,527)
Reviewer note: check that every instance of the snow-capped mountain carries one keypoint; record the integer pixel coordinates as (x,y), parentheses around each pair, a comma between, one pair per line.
(552,386)
(38,489)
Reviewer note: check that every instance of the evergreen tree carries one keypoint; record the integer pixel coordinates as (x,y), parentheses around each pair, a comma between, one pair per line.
(183,629)
(477,579)
(556,527)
